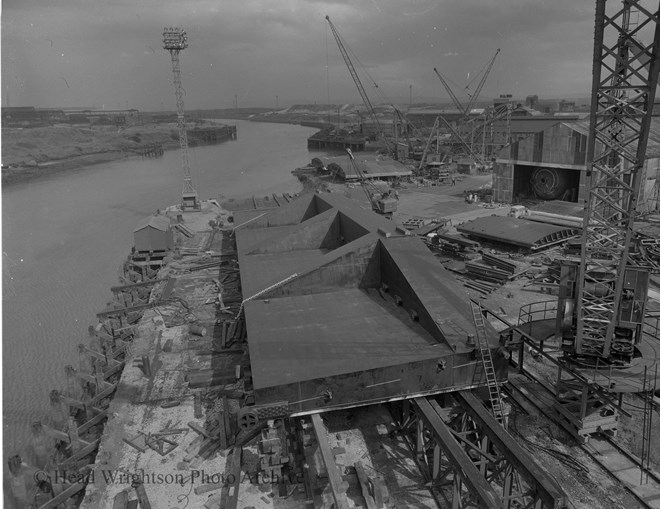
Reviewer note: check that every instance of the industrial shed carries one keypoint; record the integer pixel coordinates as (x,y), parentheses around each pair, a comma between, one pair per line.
(551,165)
(155,234)
(372,167)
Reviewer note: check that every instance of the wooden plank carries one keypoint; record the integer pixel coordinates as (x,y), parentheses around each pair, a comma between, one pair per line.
(134,445)
(199,429)
(104,394)
(380,493)
(115,369)
(137,285)
(364,483)
(205,488)
(65,495)
(92,422)
(94,354)
(336,482)
(55,433)
(121,500)
(191,450)
(86,377)
(141,495)
(230,491)
(131,309)
(226,417)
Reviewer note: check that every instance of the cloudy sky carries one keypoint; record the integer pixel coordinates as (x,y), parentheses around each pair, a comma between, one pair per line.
(108,53)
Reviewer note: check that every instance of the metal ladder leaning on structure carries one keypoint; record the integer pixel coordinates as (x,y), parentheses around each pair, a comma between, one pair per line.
(487,361)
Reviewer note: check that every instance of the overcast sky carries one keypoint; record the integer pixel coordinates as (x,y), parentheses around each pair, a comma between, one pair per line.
(108,53)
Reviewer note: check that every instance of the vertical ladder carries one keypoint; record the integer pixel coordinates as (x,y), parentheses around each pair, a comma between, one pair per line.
(487,360)
(648,390)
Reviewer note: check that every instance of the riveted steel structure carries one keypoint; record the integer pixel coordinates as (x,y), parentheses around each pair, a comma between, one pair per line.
(625,76)
(175,40)
(469,460)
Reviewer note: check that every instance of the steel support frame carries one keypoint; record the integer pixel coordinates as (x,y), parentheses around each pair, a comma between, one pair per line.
(579,405)
(625,76)
(523,481)
(181,123)
(470,462)
(448,470)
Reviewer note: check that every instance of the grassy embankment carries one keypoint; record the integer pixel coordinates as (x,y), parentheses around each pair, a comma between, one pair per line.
(33,152)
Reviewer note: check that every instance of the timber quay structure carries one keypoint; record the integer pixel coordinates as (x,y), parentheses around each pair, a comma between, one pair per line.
(211,135)
(336,139)
(340,366)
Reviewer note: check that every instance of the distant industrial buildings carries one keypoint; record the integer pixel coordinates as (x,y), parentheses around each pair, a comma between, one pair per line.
(29,116)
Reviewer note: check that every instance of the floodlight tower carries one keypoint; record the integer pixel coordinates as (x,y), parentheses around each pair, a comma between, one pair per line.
(174,40)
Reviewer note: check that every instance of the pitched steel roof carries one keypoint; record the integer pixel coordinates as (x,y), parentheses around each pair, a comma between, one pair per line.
(157,222)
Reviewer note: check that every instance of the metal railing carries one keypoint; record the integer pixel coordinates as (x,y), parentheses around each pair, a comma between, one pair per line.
(536,311)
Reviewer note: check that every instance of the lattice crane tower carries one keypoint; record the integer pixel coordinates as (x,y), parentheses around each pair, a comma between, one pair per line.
(606,289)
(175,40)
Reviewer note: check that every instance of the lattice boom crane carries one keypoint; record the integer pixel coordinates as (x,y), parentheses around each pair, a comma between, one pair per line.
(356,79)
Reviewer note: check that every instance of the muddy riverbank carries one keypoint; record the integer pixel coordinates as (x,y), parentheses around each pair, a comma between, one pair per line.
(29,153)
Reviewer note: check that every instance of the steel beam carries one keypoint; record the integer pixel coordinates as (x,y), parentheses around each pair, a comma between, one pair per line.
(547,489)
(463,465)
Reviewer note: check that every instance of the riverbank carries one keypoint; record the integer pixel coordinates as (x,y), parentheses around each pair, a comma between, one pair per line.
(82,222)
(29,153)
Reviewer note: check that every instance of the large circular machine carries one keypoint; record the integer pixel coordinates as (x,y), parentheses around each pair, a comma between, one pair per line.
(550,183)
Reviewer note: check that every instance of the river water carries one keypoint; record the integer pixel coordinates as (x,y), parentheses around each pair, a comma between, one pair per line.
(64,238)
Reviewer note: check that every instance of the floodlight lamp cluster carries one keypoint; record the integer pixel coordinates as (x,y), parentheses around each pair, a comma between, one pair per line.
(174,38)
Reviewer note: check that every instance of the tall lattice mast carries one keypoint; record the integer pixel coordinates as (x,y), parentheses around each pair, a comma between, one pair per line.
(625,76)
(175,40)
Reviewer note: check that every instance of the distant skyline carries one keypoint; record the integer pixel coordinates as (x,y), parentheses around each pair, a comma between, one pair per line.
(108,53)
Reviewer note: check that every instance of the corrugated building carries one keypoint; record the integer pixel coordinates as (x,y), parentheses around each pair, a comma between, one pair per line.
(371,166)
(155,234)
(551,164)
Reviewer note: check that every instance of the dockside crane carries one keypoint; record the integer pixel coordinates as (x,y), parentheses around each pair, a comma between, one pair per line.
(358,83)
(465,110)
(175,40)
(603,295)
(480,85)
(464,129)
(451,93)
(382,203)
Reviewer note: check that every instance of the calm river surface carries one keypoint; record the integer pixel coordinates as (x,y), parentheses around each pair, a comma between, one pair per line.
(64,238)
